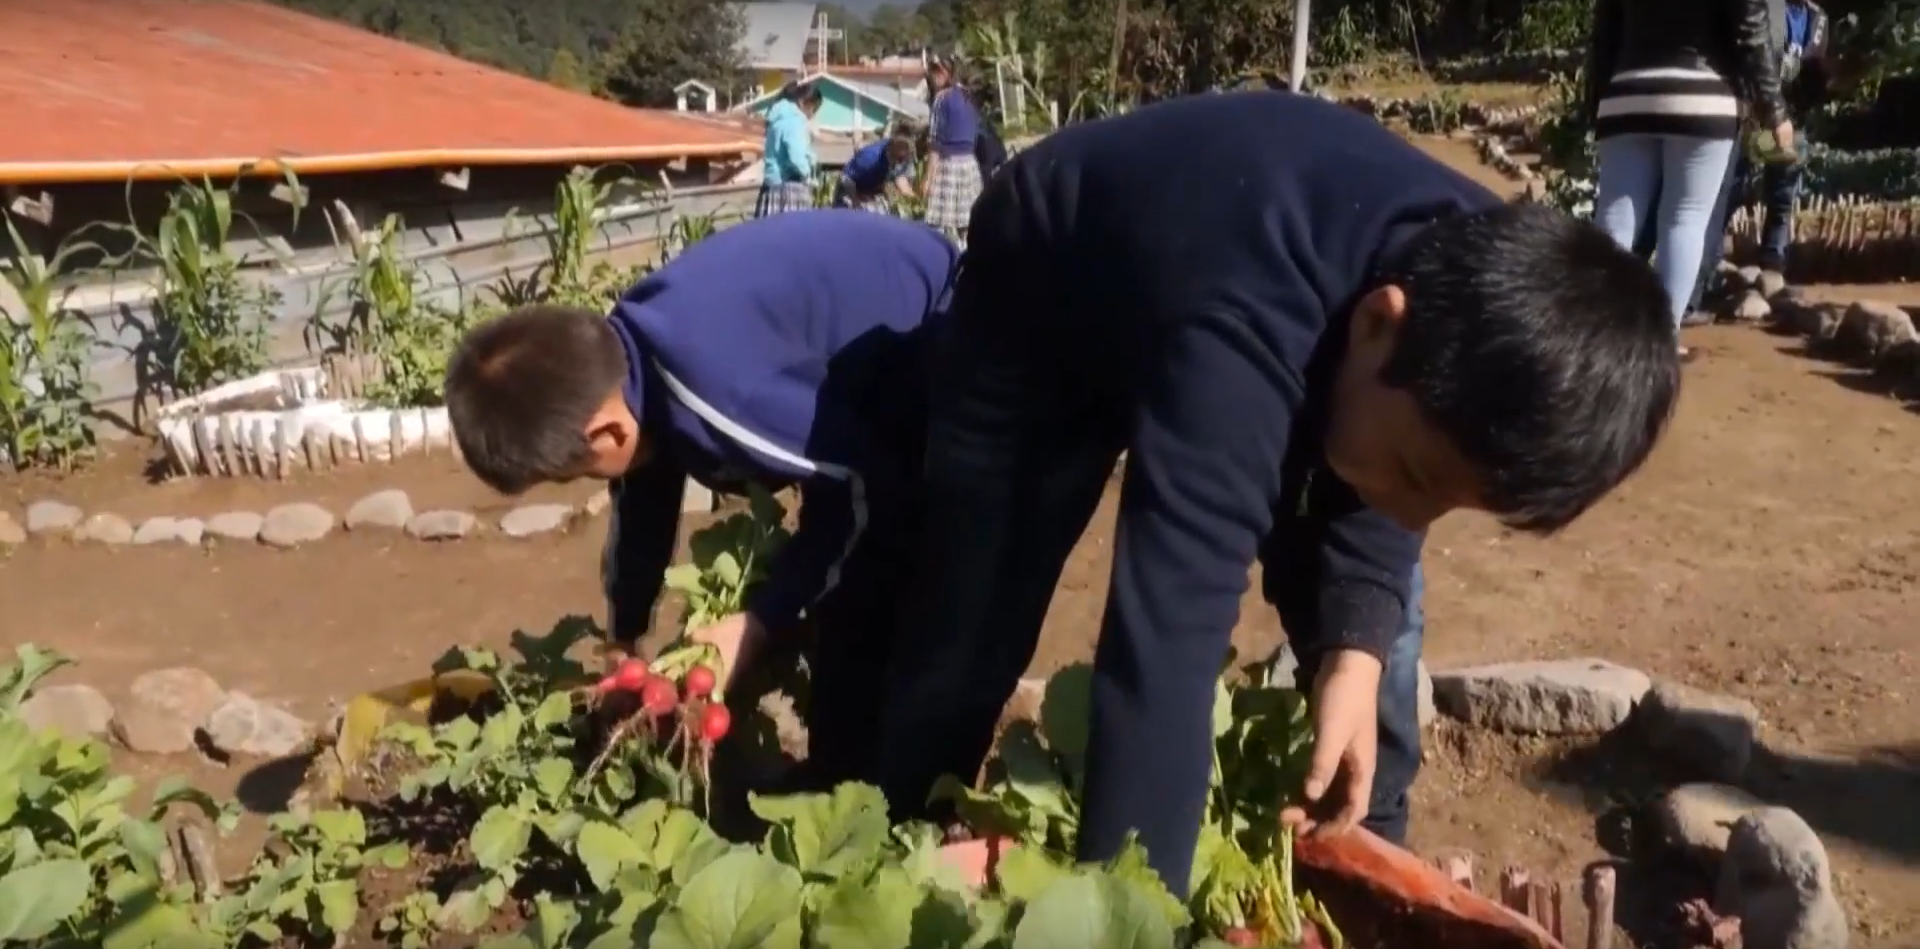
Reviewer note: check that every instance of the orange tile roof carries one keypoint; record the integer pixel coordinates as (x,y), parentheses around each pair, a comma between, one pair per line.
(104,90)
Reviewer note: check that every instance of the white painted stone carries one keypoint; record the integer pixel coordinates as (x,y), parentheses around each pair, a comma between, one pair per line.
(1777,879)
(1695,819)
(532,519)
(110,529)
(390,509)
(696,498)
(235,525)
(1554,697)
(598,503)
(189,530)
(51,517)
(441,525)
(291,525)
(1752,308)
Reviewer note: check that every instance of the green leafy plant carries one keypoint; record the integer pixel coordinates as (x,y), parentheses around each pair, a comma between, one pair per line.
(210,322)
(308,878)
(391,319)
(1242,874)
(728,559)
(570,276)
(44,385)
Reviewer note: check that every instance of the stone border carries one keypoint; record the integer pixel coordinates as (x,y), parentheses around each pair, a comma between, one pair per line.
(1871,334)
(298,523)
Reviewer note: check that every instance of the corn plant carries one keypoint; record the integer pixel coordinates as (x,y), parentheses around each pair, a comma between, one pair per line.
(686,231)
(210,323)
(390,320)
(43,362)
(569,276)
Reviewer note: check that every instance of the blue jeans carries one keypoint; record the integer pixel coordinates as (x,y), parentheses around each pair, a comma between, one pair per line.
(1398,760)
(1675,179)
(1779,190)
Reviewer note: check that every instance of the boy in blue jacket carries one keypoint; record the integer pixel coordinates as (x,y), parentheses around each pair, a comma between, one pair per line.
(785,350)
(1311,340)
(875,171)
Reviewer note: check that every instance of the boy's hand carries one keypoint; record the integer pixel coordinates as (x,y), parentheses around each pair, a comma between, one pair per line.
(739,638)
(1346,698)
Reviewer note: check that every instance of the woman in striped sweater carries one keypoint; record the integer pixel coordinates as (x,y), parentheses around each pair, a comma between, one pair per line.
(1667,84)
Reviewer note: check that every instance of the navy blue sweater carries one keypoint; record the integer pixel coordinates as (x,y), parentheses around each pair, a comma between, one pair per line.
(783,350)
(1216,246)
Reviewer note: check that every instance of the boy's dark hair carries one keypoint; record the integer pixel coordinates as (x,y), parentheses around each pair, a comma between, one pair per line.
(802,93)
(522,388)
(1543,351)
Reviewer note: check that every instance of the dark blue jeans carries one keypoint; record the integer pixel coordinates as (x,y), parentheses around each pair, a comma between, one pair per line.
(1780,184)
(1398,761)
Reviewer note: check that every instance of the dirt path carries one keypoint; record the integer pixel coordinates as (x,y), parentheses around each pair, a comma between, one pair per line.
(1771,550)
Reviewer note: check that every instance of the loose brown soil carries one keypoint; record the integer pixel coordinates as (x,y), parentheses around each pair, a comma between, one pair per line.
(1771,549)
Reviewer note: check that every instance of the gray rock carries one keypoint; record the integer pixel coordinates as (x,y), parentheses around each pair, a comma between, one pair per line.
(235,525)
(170,530)
(11,533)
(77,711)
(1748,276)
(1776,878)
(1556,697)
(390,509)
(531,519)
(189,530)
(442,525)
(243,725)
(1770,283)
(164,709)
(1752,308)
(291,525)
(1703,733)
(1818,321)
(1695,819)
(598,503)
(51,517)
(1870,328)
(110,529)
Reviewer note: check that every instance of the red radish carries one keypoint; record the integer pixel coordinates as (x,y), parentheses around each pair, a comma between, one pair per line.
(1310,937)
(699,682)
(631,676)
(658,696)
(606,685)
(714,722)
(1240,936)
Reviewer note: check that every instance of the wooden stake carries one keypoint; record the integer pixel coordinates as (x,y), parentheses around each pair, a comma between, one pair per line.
(1599,893)
(1557,912)
(1514,891)
(1459,868)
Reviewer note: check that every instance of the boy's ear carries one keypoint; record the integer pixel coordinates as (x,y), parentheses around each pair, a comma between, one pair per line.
(1380,312)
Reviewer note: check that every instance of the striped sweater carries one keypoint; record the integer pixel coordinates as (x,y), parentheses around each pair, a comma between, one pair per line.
(1674,100)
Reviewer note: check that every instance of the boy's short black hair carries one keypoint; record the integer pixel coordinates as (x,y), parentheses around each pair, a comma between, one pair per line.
(522,388)
(1544,351)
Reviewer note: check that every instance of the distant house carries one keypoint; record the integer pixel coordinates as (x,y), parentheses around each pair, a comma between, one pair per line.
(774,41)
(861,108)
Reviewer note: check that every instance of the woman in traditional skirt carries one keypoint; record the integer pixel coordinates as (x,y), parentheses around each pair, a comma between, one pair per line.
(787,183)
(953,173)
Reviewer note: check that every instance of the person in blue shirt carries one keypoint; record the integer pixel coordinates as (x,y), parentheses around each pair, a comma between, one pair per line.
(783,351)
(876,171)
(1309,340)
(788,164)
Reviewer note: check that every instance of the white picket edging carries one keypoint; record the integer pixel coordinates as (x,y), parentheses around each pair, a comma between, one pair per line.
(283,420)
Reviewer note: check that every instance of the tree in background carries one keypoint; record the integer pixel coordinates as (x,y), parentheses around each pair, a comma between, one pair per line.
(568,72)
(667,42)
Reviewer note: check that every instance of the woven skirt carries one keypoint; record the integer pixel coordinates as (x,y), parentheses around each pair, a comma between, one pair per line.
(784,196)
(951,193)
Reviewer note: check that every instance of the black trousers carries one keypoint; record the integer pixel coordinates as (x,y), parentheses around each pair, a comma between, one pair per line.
(1023,433)
(852,648)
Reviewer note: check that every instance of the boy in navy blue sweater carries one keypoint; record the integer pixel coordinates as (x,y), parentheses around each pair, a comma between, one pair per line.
(785,350)
(1311,340)
(876,171)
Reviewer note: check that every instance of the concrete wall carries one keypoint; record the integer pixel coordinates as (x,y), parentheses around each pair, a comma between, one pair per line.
(463,241)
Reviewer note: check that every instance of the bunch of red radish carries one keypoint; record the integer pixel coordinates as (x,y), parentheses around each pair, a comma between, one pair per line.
(703,721)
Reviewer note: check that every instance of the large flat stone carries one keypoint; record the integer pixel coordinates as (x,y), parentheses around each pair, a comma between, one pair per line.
(1552,697)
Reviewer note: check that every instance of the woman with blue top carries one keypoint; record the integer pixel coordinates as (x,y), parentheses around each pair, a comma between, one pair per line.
(953,173)
(787,184)
(875,172)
